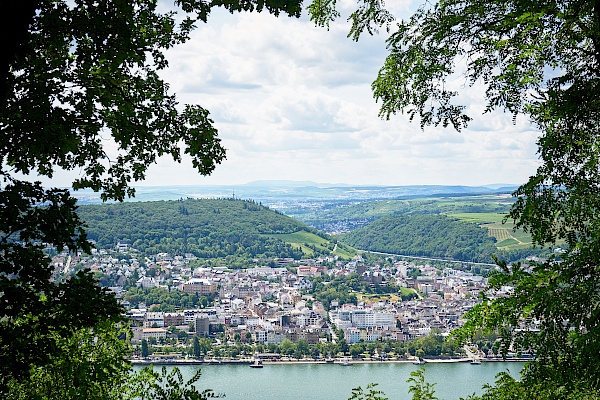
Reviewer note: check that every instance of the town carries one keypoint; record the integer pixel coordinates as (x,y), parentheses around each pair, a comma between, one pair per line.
(272,305)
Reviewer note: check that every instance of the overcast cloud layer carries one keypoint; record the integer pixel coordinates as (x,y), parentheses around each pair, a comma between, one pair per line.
(293,102)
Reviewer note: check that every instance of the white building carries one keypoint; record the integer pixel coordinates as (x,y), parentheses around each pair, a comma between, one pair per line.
(154,320)
(361,318)
(199,286)
(157,333)
(146,282)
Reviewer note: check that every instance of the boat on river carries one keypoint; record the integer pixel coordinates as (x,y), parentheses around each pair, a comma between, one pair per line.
(256,364)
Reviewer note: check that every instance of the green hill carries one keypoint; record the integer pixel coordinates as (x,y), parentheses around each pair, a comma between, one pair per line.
(207,228)
(355,214)
(427,235)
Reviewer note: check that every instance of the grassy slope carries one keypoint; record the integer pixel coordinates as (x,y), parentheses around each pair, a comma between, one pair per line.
(308,240)
(506,236)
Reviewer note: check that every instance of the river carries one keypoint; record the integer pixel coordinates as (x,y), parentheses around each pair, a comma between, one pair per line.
(335,382)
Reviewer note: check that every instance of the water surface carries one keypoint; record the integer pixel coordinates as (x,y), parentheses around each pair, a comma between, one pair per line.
(335,382)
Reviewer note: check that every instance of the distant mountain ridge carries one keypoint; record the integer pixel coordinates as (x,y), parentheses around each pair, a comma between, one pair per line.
(274,192)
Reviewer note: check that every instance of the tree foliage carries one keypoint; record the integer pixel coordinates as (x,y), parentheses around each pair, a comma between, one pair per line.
(37,314)
(341,289)
(525,53)
(369,393)
(509,388)
(145,351)
(87,69)
(424,235)
(540,59)
(88,364)
(166,300)
(168,385)
(421,389)
(207,228)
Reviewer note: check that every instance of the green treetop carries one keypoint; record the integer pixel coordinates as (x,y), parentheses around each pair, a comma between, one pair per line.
(540,59)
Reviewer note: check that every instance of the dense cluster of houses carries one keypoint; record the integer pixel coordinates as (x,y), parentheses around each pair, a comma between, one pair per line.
(269,304)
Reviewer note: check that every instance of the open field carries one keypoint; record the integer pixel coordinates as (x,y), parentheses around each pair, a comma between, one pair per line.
(373,298)
(506,237)
(392,297)
(309,241)
(481,218)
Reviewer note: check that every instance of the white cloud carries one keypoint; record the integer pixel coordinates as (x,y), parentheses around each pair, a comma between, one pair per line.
(292,101)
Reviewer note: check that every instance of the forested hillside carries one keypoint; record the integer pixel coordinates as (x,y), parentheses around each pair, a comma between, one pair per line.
(331,216)
(207,228)
(424,235)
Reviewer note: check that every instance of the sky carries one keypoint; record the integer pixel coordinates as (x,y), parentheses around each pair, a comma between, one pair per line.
(293,101)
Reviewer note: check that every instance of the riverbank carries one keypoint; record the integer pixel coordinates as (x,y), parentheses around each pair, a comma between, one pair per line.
(339,361)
